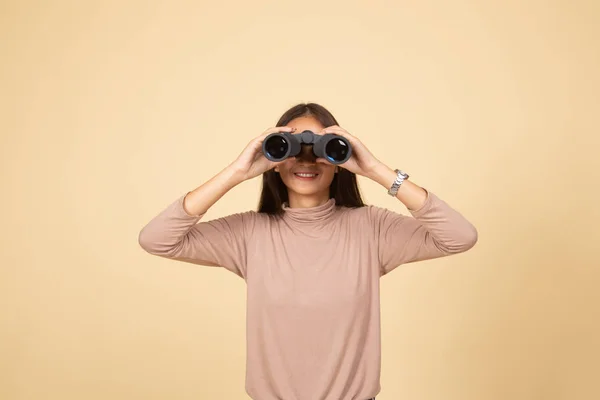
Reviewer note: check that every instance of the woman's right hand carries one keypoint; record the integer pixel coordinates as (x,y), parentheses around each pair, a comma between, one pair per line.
(252,162)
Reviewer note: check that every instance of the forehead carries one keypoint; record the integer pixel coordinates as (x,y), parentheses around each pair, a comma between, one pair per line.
(305,123)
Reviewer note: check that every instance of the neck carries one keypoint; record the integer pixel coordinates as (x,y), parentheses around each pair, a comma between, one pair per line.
(297,200)
(310,220)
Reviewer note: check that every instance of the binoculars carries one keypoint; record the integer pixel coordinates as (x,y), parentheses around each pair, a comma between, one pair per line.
(280,145)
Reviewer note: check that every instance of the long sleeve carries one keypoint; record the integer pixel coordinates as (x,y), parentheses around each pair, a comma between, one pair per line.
(436,230)
(177,235)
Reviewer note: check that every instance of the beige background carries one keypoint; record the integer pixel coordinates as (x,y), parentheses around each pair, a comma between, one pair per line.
(110,110)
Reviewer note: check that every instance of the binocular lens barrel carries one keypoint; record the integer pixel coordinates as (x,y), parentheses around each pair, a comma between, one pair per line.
(281,145)
(277,147)
(336,150)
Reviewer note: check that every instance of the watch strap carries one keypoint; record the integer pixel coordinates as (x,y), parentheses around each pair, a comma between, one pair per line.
(400,177)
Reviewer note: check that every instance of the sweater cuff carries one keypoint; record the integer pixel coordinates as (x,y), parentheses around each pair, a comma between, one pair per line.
(427,205)
(181,212)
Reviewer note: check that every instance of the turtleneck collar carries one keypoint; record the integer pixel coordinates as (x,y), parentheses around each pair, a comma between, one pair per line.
(318,214)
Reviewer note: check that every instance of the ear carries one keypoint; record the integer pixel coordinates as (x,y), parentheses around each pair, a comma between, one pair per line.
(276,169)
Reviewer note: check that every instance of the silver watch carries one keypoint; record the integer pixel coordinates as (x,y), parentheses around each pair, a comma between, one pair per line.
(401,177)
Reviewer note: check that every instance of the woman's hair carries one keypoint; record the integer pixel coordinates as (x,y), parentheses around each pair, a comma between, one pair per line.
(343,188)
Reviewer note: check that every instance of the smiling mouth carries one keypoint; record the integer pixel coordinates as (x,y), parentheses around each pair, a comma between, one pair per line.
(305,176)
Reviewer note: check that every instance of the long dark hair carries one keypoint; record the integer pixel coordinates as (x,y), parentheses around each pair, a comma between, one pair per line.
(344,187)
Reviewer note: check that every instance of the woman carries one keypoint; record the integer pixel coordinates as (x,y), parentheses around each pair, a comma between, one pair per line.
(311,256)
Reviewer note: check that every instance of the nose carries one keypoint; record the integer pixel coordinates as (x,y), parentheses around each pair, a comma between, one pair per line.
(306,154)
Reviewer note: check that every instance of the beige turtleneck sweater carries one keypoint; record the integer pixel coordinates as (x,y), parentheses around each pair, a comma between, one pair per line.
(312,278)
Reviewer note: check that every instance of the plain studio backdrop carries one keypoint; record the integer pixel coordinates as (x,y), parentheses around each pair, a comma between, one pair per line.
(111,110)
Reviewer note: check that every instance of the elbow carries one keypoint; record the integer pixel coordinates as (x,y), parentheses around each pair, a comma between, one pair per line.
(156,243)
(145,241)
(474,236)
(461,241)
(468,239)
(152,244)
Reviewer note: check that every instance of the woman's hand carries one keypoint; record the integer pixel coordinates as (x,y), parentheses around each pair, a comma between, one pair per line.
(252,162)
(361,162)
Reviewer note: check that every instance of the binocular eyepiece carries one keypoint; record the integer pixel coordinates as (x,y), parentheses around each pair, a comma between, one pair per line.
(280,145)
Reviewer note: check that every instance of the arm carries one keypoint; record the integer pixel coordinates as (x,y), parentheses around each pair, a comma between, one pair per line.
(436,229)
(176,234)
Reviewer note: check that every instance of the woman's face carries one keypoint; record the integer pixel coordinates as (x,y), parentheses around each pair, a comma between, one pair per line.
(321,172)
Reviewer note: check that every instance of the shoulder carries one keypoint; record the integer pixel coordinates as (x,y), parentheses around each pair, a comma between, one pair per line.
(369,211)
(256,222)
(366,214)
(242,222)
(372,215)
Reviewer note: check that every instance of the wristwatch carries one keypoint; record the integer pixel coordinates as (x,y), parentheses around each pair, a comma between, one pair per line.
(401,177)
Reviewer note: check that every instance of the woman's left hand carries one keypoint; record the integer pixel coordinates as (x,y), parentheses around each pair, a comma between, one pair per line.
(362,161)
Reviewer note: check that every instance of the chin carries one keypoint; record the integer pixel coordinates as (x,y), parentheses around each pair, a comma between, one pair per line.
(308,190)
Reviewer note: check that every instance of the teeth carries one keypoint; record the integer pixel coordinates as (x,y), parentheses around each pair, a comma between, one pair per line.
(306,175)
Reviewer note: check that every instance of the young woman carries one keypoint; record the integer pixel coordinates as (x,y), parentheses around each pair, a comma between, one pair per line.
(311,257)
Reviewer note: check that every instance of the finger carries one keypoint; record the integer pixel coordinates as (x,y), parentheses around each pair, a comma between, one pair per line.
(278,129)
(269,131)
(343,133)
(338,130)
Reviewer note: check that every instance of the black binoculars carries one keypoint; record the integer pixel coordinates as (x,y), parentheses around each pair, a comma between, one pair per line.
(280,145)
